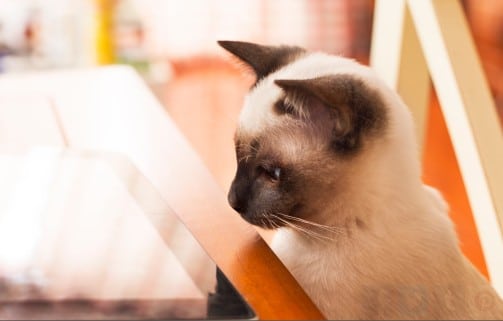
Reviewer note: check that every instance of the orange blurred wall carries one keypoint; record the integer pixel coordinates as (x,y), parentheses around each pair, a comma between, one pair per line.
(441,170)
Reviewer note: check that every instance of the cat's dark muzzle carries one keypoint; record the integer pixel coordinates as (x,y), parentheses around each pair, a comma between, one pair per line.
(268,222)
(238,204)
(241,206)
(257,200)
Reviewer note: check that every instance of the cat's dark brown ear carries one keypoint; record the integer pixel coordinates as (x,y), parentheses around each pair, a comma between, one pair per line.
(262,59)
(347,103)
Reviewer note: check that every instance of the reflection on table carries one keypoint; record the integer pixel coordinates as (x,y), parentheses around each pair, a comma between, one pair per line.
(85,235)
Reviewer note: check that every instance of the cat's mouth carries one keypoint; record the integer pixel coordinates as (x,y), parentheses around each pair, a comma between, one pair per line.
(273,220)
(268,222)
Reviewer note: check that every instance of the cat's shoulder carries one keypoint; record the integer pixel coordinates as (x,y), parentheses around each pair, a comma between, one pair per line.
(436,199)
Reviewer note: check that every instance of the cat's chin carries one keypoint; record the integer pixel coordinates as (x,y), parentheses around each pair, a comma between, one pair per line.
(273,221)
(264,222)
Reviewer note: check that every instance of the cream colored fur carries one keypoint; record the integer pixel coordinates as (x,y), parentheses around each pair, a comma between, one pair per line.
(403,261)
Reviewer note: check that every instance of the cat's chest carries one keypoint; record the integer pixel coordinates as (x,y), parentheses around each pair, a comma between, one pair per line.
(323,274)
(310,264)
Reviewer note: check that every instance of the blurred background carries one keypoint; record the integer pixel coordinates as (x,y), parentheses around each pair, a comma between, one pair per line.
(172,44)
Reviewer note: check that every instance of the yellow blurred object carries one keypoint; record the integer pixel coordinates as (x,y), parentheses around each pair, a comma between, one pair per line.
(104,44)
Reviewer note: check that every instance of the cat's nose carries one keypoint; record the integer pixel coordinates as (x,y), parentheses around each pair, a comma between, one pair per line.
(235,202)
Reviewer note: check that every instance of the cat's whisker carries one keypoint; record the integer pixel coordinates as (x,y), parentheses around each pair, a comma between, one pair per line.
(244,158)
(310,233)
(269,221)
(253,149)
(318,235)
(332,229)
(295,227)
(265,219)
(273,223)
(326,227)
(247,145)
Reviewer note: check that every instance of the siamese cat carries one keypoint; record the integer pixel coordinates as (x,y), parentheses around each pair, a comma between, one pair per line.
(326,155)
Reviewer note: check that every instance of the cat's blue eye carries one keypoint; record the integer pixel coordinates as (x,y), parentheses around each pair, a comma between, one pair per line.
(276,173)
(273,173)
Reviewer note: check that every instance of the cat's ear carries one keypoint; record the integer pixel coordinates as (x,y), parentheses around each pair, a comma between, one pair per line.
(262,59)
(346,102)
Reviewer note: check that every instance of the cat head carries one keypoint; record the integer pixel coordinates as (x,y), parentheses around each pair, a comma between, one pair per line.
(313,131)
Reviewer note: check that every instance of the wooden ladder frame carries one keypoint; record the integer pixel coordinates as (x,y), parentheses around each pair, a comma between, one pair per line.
(414,39)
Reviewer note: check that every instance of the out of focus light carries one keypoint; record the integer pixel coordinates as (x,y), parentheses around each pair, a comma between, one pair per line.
(20,222)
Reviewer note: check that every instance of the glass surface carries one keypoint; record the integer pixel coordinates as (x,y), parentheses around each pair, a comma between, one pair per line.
(84,235)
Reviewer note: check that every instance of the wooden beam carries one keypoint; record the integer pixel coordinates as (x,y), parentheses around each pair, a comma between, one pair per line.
(470,115)
(397,57)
